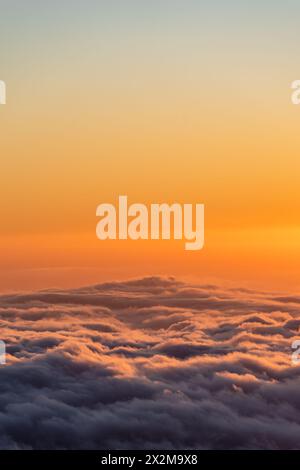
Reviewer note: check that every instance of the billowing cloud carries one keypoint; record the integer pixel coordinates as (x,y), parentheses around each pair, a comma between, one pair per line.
(149,363)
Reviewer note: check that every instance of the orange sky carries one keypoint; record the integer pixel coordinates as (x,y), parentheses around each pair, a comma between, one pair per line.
(181,114)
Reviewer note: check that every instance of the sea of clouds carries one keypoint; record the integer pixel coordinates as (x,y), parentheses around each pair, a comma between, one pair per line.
(151,363)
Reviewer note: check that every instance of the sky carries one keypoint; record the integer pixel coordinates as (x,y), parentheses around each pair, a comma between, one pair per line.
(164,101)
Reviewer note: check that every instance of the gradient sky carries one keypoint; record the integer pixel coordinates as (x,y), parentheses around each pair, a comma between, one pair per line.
(164,101)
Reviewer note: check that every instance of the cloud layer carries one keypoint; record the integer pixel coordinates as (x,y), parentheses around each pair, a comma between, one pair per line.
(151,363)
